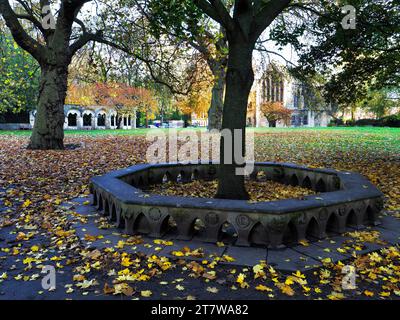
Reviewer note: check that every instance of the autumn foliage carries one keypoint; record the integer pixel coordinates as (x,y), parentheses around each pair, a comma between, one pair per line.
(275,111)
(198,99)
(125,99)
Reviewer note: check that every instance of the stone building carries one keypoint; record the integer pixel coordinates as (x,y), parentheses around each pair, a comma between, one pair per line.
(93,117)
(275,85)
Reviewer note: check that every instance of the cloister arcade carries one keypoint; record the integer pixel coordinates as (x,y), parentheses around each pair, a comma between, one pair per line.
(92,118)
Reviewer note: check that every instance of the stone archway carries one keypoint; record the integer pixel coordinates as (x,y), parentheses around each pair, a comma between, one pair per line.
(72,120)
(87,119)
(101,119)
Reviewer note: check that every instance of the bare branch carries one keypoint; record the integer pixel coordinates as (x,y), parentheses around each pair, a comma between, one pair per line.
(98,37)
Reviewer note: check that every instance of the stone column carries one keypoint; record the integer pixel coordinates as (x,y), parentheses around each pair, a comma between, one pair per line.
(134,121)
(124,122)
(31,118)
(311,119)
(79,122)
(108,121)
(94,122)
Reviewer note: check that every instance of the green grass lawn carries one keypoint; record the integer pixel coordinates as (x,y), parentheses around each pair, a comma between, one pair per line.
(367,136)
(358,130)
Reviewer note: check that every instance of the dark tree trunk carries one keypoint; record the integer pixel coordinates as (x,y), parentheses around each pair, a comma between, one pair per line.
(48,131)
(239,80)
(217,99)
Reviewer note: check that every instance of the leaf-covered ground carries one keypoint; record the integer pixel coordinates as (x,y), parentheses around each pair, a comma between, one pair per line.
(258,190)
(35,229)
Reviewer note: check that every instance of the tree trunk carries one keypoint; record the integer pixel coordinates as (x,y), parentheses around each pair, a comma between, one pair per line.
(239,80)
(48,131)
(217,100)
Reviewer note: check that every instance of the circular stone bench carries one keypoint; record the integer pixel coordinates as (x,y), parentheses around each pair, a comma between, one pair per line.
(344,200)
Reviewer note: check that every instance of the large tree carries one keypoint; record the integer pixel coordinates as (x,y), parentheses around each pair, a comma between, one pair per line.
(243,21)
(243,26)
(53,48)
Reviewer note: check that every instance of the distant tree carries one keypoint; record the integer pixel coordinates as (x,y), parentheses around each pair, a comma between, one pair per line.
(274,112)
(184,22)
(146,103)
(199,98)
(378,102)
(82,95)
(19,77)
(353,60)
(126,100)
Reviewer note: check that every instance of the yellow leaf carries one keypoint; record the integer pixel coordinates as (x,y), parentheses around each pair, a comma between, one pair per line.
(126,262)
(368,293)
(212,289)
(26,204)
(258,271)
(286,289)
(78,277)
(69,290)
(240,278)
(146,293)
(178,253)
(326,260)
(123,288)
(263,288)
(336,296)
(304,243)
(228,258)
(298,274)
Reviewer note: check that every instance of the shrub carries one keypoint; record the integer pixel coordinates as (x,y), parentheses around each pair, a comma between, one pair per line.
(336,123)
(367,122)
(391,121)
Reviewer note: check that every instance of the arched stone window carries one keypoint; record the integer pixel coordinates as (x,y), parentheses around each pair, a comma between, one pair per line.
(87,120)
(125,122)
(112,120)
(305,120)
(72,120)
(129,121)
(101,120)
(273,87)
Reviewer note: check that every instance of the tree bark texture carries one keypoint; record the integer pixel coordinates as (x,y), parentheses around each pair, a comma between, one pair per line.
(48,131)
